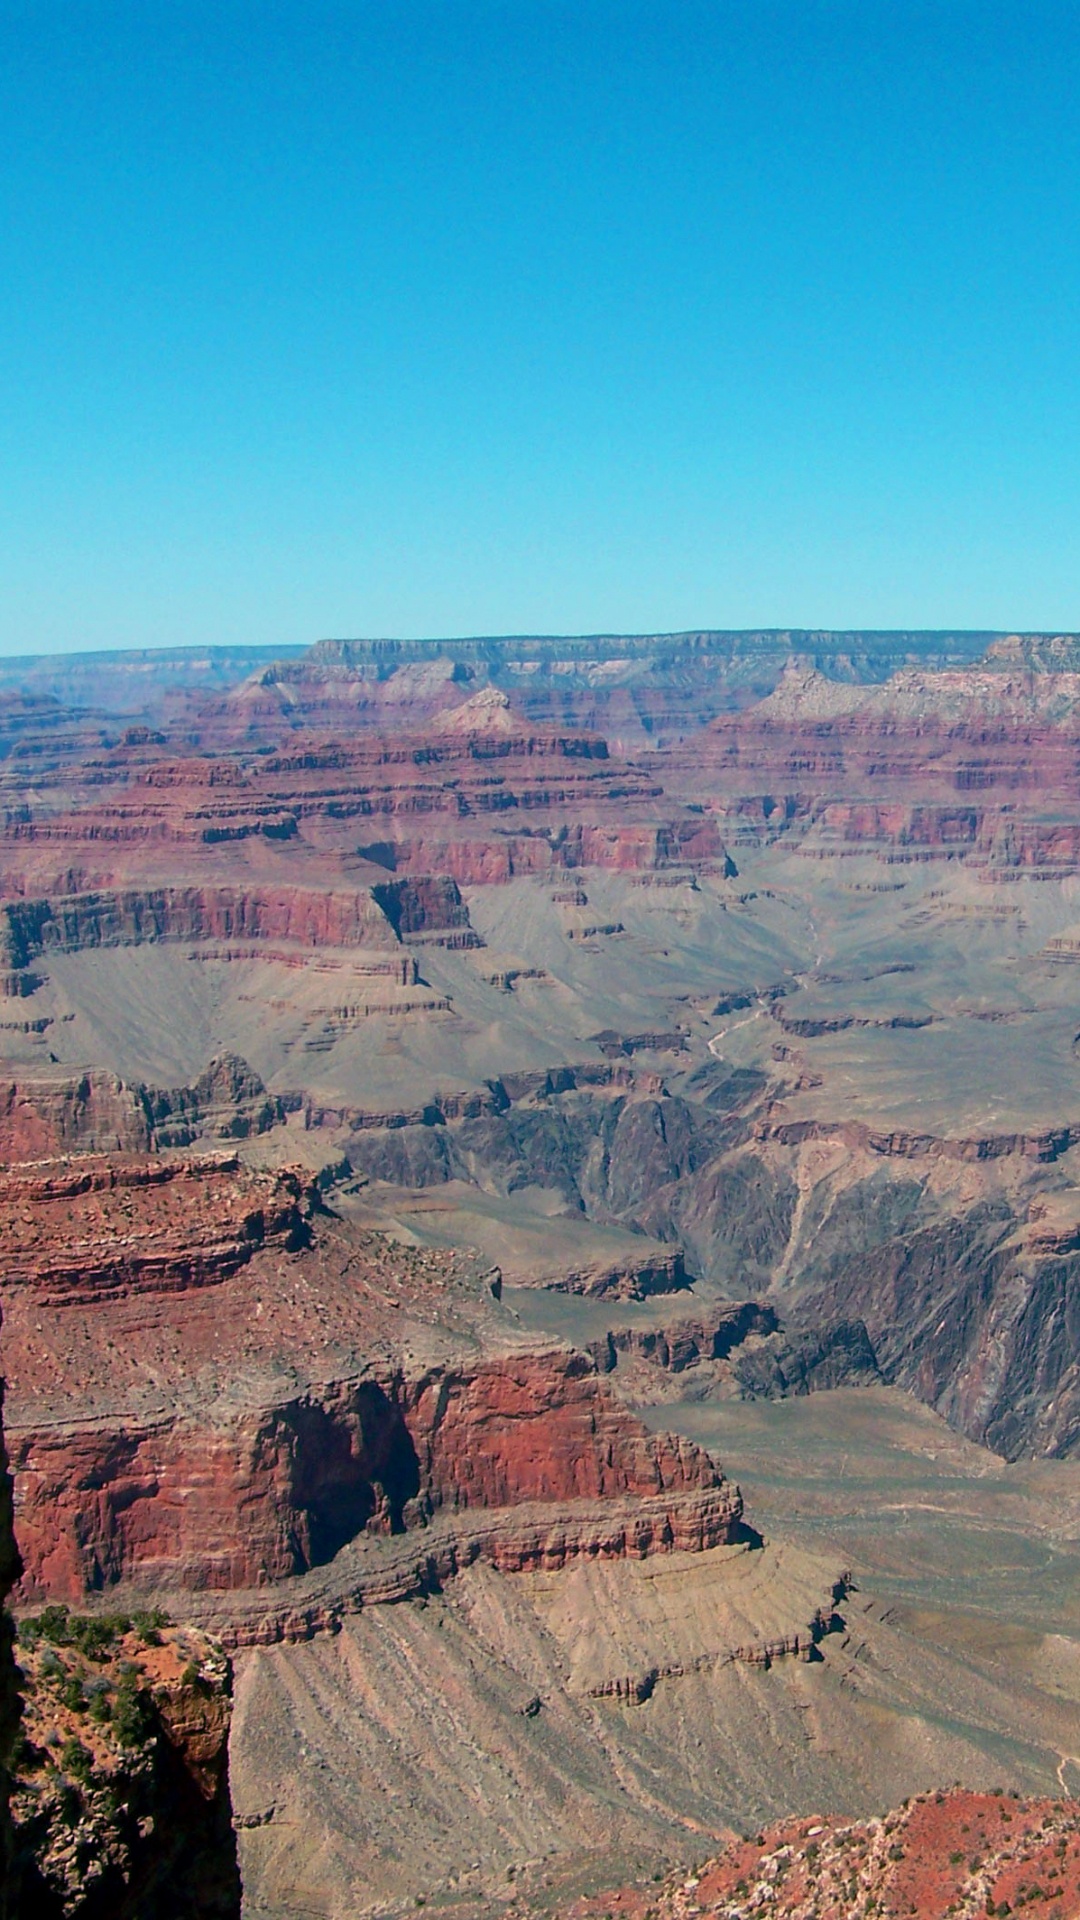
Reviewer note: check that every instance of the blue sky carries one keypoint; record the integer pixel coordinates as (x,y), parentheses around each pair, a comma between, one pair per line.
(502,316)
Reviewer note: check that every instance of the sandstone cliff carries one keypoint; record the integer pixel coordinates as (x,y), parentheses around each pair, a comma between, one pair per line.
(260,1383)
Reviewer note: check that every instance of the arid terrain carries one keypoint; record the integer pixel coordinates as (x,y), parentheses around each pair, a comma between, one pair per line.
(541,1214)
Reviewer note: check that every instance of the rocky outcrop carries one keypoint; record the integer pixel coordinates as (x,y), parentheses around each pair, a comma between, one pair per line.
(766,1362)
(686,1342)
(285,1488)
(975,765)
(963,1315)
(93,856)
(800,1643)
(45,1112)
(422,906)
(225,1218)
(940,1854)
(837,1355)
(536,1537)
(542,1429)
(29,928)
(10,1701)
(629,1278)
(114,1791)
(228,1101)
(120,1803)
(261,1384)
(903,1144)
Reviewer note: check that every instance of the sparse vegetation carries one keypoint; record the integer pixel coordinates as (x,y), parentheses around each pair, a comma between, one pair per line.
(76,1759)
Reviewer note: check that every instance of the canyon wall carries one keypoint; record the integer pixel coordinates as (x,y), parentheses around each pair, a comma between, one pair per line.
(262,1453)
(730,972)
(120,1795)
(10,1702)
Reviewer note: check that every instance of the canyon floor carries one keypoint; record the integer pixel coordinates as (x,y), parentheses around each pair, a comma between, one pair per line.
(541,1198)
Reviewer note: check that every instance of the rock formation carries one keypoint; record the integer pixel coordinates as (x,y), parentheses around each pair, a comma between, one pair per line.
(170,1289)
(940,1854)
(416,1064)
(120,1799)
(10,1701)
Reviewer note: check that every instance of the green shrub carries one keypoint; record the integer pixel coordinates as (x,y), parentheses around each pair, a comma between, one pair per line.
(27,1758)
(96,1635)
(72,1695)
(53,1626)
(76,1759)
(132,1716)
(149,1626)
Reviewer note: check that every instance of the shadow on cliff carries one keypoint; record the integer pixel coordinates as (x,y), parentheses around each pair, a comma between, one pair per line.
(183,1858)
(355,1469)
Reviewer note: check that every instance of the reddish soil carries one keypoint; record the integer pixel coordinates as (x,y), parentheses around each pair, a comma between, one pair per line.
(942,1856)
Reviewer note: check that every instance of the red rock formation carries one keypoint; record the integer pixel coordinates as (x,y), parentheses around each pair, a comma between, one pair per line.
(245,1383)
(130,918)
(533,1429)
(94,853)
(10,1703)
(44,1113)
(973,765)
(224,1218)
(285,1488)
(941,1854)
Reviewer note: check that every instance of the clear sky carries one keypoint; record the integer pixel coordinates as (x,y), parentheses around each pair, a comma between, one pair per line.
(522,316)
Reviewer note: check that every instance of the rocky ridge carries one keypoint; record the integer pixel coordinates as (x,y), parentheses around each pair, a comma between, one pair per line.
(10,1700)
(957,1853)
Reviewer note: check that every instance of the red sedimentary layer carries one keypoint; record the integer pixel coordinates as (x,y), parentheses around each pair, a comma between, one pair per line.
(226,1219)
(287,1485)
(102,836)
(129,917)
(973,766)
(206,1392)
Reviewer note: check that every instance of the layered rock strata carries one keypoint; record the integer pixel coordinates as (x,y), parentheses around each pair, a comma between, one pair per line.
(977,765)
(45,1112)
(260,1384)
(10,1701)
